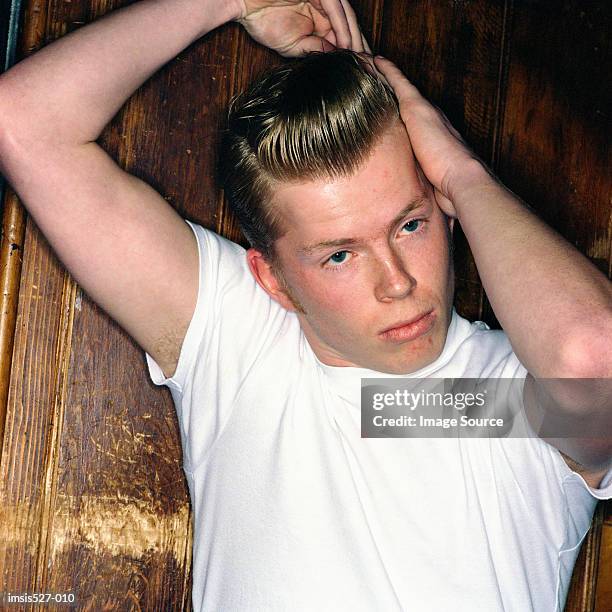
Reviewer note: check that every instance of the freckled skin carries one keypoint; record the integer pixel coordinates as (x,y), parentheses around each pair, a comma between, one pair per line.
(391,275)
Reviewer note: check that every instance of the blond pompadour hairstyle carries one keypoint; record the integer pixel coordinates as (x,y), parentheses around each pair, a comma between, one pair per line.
(314,118)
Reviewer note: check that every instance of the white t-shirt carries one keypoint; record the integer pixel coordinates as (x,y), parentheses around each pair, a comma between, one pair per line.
(293,510)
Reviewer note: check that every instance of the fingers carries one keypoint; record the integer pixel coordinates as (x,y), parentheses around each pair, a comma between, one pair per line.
(339,22)
(404,89)
(310,43)
(331,37)
(366,47)
(356,37)
(345,32)
(369,65)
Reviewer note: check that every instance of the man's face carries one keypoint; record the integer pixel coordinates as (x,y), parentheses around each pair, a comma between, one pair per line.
(365,255)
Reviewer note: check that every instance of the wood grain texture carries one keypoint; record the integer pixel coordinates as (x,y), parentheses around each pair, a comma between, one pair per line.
(14,215)
(603,594)
(11,250)
(581,595)
(249,61)
(370,13)
(554,146)
(25,426)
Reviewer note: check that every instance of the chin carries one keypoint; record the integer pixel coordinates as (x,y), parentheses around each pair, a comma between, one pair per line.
(414,358)
(409,367)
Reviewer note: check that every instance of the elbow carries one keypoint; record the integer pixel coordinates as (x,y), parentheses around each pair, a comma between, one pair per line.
(20,132)
(587,353)
(20,143)
(8,125)
(579,381)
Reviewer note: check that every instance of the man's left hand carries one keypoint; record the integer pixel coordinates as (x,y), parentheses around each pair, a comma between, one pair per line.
(448,163)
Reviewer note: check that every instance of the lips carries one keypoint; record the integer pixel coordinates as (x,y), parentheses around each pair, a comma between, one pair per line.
(409,330)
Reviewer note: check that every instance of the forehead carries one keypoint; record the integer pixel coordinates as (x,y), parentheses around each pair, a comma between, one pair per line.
(352,206)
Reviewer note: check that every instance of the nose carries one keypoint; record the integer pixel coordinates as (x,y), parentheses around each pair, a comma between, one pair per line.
(394,281)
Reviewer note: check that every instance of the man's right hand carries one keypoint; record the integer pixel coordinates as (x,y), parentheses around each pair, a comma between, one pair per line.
(293,28)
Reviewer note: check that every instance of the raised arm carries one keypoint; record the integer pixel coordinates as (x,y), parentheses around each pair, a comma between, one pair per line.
(120,240)
(555,306)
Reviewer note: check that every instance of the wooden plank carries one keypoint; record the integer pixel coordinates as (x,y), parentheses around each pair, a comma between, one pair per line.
(13,214)
(555,145)
(168,132)
(581,593)
(240,73)
(13,225)
(603,598)
(11,249)
(370,16)
(31,414)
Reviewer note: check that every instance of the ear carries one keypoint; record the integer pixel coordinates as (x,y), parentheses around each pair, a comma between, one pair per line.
(264,275)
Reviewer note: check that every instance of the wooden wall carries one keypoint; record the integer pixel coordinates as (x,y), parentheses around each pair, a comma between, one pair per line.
(92,497)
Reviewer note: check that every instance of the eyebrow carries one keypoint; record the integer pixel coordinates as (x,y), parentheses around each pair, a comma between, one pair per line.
(417,202)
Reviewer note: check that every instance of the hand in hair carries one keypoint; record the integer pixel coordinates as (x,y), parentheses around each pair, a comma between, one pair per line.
(294,28)
(447,161)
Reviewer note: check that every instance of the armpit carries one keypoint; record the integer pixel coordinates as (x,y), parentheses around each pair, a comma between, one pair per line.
(592,477)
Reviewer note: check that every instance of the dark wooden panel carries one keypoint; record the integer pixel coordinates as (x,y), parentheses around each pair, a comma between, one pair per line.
(30,438)
(555,146)
(251,60)
(167,134)
(370,16)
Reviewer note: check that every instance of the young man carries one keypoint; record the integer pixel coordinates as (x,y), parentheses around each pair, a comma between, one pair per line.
(350,276)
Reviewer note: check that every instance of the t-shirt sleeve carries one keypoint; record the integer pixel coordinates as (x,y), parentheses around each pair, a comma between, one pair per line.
(493,357)
(233,322)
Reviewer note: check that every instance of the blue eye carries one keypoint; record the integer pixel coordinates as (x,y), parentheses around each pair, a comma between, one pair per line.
(339,257)
(412,226)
